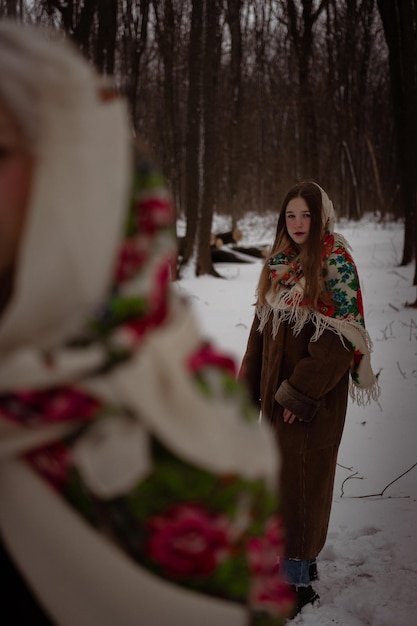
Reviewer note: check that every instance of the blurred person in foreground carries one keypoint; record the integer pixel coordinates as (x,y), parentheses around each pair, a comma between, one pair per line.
(136,484)
(307,346)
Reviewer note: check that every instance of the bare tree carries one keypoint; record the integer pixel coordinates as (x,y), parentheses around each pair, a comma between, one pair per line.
(210,68)
(399,19)
(193,181)
(350,35)
(301,19)
(12,8)
(133,40)
(167,35)
(77,19)
(238,99)
(105,45)
(233,16)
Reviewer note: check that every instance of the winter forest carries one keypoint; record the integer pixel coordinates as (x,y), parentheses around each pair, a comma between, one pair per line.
(239,99)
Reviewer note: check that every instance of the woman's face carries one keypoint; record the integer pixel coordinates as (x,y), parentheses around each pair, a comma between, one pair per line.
(298,220)
(16,168)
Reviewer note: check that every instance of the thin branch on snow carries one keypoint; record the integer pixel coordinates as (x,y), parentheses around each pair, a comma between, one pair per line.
(384,332)
(344,467)
(354,475)
(374,495)
(401,372)
(398,274)
(412,326)
(388,329)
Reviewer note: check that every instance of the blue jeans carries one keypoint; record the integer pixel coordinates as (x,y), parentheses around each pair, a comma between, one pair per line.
(296,571)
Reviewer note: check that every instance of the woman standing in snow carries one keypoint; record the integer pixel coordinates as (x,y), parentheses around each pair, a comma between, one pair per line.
(307,336)
(130,492)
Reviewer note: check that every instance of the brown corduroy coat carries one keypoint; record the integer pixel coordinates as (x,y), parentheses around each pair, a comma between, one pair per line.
(311,379)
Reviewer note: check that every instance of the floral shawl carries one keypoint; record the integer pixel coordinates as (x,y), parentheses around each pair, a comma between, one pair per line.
(119,453)
(342,314)
(113,409)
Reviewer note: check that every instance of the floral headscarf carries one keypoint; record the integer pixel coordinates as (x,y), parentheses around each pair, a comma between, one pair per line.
(108,392)
(343,313)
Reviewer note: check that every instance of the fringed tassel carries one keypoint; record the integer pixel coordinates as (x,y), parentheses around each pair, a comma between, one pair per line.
(363,396)
(263,314)
(348,332)
(298,317)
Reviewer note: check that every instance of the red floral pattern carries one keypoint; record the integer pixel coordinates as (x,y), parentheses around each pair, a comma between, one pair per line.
(192,540)
(53,463)
(188,541)
(130,260)
(53,405)
(153,213)
(263,551)
(273,595)
(207,355)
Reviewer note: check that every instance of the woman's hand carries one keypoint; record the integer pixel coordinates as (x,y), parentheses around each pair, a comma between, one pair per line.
(289,417)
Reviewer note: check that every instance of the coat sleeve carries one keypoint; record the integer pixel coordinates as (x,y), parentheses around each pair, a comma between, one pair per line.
(315,375)
(251,367)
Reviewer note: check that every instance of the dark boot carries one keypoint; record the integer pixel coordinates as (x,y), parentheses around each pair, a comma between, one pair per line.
(312,571)
(303,596)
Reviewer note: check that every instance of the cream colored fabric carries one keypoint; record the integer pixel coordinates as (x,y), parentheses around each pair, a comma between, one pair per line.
(82,183)
(210,433)
(81,578)
(57,284)
(327,211)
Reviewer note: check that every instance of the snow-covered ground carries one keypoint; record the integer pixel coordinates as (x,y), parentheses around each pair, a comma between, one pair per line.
(368,567)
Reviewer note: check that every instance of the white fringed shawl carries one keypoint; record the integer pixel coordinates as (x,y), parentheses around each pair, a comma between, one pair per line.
(343,315)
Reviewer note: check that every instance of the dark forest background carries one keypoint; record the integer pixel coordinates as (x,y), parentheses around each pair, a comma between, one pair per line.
(239,99)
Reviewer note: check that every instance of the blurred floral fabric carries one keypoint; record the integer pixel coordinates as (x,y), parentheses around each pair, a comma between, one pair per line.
(214,532)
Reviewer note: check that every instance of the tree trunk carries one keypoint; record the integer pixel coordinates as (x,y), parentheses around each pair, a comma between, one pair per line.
(399,19)
(134,38)
(106,36)
(167,41)
(210,66)
(193,164)
(234,148)
(301,34)
(356,202)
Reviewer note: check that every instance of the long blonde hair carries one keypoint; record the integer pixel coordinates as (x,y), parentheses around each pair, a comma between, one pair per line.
(309,255)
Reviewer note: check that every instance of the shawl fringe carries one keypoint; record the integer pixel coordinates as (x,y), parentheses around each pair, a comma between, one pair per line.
(286,308)
(363,396)
(285,301)
(297,316)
